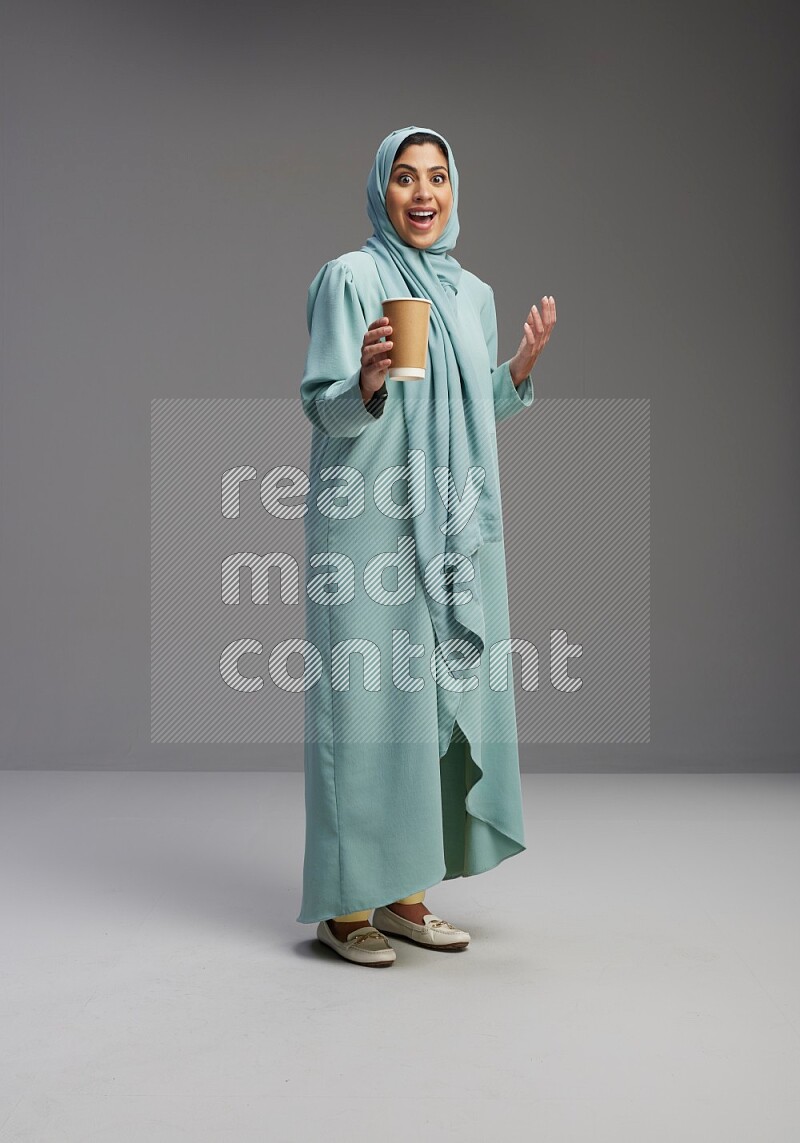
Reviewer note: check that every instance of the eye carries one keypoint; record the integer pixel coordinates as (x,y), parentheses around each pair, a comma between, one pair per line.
(401,177)
(442,177)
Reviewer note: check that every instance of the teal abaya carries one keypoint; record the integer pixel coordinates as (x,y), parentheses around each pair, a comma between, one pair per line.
(411,764)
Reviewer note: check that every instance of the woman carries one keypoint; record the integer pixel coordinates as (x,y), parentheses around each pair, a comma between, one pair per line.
(411,776)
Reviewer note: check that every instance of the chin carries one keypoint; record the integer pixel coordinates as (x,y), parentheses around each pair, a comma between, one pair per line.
(423,243)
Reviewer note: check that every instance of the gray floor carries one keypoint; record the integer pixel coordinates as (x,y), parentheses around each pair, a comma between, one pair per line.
(632,976)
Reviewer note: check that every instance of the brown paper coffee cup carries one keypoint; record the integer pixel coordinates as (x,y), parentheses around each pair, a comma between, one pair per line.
(409,319)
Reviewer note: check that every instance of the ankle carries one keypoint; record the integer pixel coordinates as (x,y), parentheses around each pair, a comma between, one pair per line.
(342,929)
(413,912)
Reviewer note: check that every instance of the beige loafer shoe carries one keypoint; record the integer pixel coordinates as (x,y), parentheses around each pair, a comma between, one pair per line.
(363,946)
(433,933)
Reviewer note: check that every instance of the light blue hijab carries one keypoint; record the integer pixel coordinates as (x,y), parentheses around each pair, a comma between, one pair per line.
(449,415)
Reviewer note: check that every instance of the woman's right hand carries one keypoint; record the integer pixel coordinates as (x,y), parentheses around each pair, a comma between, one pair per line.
(374,363)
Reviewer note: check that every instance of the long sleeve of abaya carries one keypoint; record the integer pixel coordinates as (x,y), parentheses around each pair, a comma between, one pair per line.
(330,389)
(508,397)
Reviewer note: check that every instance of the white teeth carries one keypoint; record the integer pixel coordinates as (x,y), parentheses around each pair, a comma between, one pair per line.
(421,213)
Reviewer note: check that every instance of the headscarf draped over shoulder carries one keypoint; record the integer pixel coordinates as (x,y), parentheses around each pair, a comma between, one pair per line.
(455,502)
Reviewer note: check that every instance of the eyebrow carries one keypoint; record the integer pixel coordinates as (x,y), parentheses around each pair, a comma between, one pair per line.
(408,167)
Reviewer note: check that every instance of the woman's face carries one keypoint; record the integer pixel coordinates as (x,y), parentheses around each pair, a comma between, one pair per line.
(419,182)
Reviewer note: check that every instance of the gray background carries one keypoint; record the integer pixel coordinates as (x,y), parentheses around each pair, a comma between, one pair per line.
(173,177)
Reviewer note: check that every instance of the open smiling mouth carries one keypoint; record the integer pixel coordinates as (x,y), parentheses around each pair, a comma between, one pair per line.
(421,219)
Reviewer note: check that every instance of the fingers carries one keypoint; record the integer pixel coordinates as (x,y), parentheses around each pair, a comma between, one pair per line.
(374,351)
(538,326)
(541,324)
(378,329)
(549,310)
(549,306)
(372,335)
(369,353)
